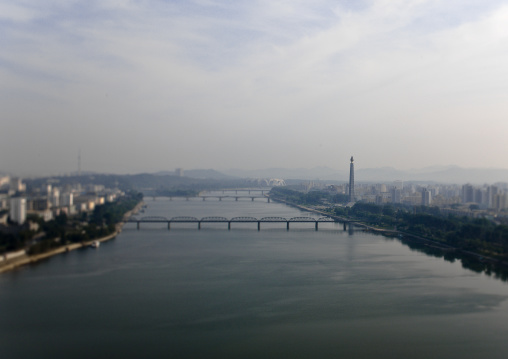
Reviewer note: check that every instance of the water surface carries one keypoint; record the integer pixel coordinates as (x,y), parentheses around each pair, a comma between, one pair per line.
(188,293)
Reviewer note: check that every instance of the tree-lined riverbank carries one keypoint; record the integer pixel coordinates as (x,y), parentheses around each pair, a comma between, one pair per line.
(106,222)
(480,244)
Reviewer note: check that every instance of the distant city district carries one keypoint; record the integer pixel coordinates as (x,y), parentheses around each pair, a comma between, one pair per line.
(49,200)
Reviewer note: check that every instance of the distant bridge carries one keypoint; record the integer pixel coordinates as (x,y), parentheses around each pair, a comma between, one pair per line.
(229,221)
(252,193)
(220,197)
(249,190)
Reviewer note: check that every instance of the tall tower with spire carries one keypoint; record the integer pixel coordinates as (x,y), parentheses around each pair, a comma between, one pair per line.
(79,162)
(352,180)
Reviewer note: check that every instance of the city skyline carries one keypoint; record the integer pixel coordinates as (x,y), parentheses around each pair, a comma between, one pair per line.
(151,86)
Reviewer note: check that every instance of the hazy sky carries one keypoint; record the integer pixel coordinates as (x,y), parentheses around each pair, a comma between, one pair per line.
(154,85)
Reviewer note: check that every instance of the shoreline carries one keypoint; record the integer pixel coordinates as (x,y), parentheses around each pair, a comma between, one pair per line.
(403,235)
(15,263)
(338,218)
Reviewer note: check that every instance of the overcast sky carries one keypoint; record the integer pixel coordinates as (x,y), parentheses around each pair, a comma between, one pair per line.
(153,85)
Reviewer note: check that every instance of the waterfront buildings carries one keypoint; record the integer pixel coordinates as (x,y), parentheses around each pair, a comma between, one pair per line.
(17,212)
(48,200)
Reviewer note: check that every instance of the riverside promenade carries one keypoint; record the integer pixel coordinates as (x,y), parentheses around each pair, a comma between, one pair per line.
(24,259)
(338,218)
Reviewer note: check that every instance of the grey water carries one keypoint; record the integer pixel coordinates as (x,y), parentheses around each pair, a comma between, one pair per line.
(243,293)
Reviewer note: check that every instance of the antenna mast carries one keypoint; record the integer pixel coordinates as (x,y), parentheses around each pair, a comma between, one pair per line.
(79,162)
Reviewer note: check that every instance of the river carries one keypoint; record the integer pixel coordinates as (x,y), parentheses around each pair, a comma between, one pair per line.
(243,293)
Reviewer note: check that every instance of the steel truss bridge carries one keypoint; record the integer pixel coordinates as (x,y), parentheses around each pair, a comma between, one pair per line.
(229,221)
(249,190)
(236,193)
(220,197)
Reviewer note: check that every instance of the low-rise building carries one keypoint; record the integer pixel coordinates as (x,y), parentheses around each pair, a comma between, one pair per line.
(46,215)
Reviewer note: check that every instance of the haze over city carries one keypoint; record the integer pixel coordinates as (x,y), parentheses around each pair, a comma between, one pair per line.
(155,85)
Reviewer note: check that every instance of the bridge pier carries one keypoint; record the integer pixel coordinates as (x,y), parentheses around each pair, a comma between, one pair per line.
(316,225)
(345,226)
(252,198)
(169,225)
(229,225)
(287,226)
(236,198)
(137,225)
(199,225)
(259,225)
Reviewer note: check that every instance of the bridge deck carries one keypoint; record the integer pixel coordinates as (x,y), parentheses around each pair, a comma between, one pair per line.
(219,219)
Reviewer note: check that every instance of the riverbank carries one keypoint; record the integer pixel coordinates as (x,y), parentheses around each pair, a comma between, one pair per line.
(25,259)
(338,218)
(403,235)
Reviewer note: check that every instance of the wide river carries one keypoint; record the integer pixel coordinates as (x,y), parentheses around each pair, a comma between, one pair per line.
(243,293)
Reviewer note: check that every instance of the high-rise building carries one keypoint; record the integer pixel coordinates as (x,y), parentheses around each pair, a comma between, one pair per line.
(398,184)
(17,185)
(67,199)
(467,193)
(352,180)
(426,197)
(499,201)
(396,195)
(55,197)
(17,211)
(492,191)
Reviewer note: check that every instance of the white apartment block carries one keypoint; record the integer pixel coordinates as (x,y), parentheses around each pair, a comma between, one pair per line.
(17,211)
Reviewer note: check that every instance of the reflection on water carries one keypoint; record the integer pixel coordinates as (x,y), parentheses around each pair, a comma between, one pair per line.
(468,261)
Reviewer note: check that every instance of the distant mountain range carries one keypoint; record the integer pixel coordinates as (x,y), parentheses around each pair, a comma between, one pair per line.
(322,173)
(201,174)
(441,174)
(448,174)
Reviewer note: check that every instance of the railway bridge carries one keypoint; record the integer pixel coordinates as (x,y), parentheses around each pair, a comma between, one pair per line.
(228,221)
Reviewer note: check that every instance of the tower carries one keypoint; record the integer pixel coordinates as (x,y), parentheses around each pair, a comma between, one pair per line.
(79,162)
(352,180)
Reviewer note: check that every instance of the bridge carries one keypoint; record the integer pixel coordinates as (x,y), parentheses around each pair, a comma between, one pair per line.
(248,190)
(236,197)
(229,221)
(252,193)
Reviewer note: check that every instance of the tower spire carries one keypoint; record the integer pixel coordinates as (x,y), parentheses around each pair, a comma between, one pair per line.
(352,180)
(79,161)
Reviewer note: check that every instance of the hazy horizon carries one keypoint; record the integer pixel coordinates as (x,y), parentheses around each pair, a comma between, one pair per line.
(152,86)
(28,173)
(433,174)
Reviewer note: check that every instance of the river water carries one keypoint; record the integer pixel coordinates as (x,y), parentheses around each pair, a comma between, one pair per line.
(243,293)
